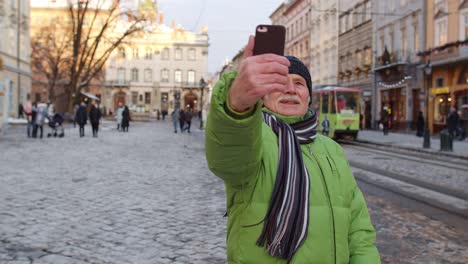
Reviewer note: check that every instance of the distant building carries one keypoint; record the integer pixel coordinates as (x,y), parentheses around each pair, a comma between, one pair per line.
(397,41)
(356,50)
(15,62)
(159,69)
(446,52)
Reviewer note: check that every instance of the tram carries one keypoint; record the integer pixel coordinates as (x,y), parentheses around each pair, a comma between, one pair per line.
(338,110)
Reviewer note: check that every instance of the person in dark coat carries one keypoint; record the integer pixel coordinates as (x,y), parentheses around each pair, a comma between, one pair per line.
(81,118)
(188,119)
(420,124)
(125,119)
(94,118)
(182,120)
(384,118)
(453,121)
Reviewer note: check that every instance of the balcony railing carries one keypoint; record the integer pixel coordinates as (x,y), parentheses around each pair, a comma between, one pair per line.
(117,83)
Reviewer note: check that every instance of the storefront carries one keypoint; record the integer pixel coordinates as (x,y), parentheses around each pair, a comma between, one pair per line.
(394,100)
(440,105)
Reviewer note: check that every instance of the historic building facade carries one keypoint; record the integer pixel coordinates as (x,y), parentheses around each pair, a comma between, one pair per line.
(15,62)
(399,82)
(355,51)
(158,70)
(295,16)
(446,61)
(324,42)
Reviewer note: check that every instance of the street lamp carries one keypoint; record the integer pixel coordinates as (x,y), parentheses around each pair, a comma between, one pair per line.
(427,136)
(202,88)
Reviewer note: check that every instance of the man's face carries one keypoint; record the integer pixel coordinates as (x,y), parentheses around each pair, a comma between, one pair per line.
(294,101)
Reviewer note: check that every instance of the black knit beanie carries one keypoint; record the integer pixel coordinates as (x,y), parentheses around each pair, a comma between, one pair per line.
(299,68)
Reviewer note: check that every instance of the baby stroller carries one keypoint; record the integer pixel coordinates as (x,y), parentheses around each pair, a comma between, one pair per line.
(55,123)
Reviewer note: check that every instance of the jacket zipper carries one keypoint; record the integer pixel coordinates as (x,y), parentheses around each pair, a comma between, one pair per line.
(322,177)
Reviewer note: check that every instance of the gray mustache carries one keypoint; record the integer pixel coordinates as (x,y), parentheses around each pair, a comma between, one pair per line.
(288,97)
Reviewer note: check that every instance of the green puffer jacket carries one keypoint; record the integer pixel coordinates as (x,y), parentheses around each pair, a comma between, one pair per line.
(243,151)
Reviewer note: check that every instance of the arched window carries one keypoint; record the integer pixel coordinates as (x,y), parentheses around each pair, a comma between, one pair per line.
(178,76)
(134,75)
(165,54)
(164,75)
(148,75)
(178,54)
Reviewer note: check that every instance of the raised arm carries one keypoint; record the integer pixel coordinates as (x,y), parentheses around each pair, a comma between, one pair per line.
(233,130)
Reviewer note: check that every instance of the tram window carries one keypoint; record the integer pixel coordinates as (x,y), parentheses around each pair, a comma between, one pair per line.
(333,103)
(324,103)
(347,102)
(316,102)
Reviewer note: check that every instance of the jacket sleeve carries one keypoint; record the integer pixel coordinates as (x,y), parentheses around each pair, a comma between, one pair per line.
(233,142)
(361,233)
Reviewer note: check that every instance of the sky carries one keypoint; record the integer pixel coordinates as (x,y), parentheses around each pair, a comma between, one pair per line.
(229,22)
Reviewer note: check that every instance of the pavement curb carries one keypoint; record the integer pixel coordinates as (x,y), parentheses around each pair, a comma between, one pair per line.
(433,152)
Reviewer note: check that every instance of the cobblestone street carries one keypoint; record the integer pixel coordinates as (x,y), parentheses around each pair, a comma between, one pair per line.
(147,196)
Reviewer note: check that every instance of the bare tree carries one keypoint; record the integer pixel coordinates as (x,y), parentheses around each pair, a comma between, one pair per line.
(49,55)
(97,30)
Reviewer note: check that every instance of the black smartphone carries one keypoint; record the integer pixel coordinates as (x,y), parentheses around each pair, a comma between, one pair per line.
(269,39)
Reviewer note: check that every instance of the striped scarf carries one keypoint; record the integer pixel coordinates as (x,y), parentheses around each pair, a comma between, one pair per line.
(287,219)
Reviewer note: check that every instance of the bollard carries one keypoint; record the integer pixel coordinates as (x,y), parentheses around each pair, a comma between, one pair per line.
(446,141)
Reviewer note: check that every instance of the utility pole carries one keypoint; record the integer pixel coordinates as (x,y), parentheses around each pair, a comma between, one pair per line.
(18,54)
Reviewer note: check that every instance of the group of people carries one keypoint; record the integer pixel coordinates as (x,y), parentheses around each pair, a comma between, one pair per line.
(183,119)
(81,117)
(36,115)
(122,115)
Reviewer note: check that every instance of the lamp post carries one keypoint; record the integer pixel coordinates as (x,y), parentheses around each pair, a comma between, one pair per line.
(427,136)
(202,88)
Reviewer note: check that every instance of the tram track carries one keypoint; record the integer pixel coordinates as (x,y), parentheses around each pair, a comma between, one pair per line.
(448,199)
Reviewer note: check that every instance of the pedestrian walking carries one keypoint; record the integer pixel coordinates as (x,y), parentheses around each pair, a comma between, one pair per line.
(175,119)
(81,118)
(325,126)
(29,120)
(420,124)
(188,119)
(182,120)
(453,121)
(274,166)
(125,119)
(95,118)
(118,116)
(384,120)
(33,118)
(41,115)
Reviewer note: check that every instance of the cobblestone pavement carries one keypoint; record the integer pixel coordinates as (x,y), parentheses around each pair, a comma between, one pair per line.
(412,166)
(147,197)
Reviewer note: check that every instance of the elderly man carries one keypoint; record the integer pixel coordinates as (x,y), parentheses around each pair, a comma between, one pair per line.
(291,196)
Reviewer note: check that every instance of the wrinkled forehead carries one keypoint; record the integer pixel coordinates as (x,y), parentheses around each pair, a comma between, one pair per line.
(297,77)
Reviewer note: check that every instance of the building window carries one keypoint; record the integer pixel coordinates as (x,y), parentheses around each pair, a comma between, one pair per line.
(121,75)
(404,44)
(121,53)
(191,54)
(165,75)
(147,98)
(165,54)
(358,16)
(440,32)
(149,54)
(134,98)
(135,54)
(178,76)
(368,11)
(464,24)
(368,56)
(178,54)
(134,75)
(148,75)
(191,76)
(416,38)
(440,82)
(141,98)
(358,58)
